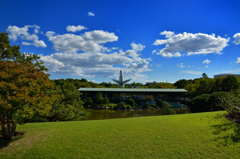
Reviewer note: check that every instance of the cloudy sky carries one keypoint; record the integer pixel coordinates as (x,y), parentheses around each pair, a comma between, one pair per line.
(149,40)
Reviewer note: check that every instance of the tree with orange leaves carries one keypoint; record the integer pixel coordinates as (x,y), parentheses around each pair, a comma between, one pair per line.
(24,95)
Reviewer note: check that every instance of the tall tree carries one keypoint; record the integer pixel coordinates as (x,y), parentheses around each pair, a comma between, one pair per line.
(24,95)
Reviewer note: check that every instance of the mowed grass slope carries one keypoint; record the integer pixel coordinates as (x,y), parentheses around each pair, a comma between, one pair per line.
(173,136)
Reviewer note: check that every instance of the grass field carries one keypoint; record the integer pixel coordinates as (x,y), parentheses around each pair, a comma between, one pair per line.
(200,135)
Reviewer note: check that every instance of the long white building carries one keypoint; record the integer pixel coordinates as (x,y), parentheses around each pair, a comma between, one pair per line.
(226,74)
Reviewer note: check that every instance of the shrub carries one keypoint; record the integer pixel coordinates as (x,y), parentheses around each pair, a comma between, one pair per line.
(146,106)
(127,106)
(131,102)
(215,100)
(105,101)
(159,103)
(154,106)
(120,105)
(89,101)
(167,109)
(85,103)
(200,103)
(112,105)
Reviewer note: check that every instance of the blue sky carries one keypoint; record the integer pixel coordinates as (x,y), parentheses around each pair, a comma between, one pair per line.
(149,40)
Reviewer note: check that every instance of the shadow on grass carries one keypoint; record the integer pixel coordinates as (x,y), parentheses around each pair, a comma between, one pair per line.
(227,132)
(5,143)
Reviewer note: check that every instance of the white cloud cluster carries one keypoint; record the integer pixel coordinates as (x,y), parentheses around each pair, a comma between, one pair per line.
(87,42)
(193,72)
(23,34)
(168,34)
(180,65)
(190,43)
(206,61)
(72,28)
(237,38)
(98,64)
(91,14)
(238,60)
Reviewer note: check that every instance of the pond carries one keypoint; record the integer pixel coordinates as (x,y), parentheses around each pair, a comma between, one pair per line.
(113,114)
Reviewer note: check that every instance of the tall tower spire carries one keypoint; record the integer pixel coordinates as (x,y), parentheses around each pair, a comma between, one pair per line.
(120,82)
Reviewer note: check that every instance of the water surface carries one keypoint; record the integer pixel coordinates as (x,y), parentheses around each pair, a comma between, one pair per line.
(113,114)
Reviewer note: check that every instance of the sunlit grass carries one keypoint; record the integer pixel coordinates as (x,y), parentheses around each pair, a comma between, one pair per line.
(199,135)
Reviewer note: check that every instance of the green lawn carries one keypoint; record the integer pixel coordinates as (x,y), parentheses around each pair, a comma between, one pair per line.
(199,135)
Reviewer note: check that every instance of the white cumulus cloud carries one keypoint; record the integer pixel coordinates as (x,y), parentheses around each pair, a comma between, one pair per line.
(168,34)
(91,14)
(193,72)
(238,60)
(87,42)
(237,38)
(180,65)
(89,64)
(23,34)
(190,43)
(72,28)
(206,61)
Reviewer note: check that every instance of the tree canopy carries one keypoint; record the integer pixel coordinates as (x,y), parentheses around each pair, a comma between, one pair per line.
(24,94)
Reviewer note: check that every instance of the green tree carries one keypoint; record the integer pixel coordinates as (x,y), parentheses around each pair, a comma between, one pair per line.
(89,102)
(131,102)
(204,75)
(229,83)
(180,83)
(99,98)
(24,95)
(159,103)
(200,103)
(105,101)
(167,109)
(68,107)
(149,98)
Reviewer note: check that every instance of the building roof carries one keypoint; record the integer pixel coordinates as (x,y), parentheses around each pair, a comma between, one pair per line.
(226,74)
(131,90)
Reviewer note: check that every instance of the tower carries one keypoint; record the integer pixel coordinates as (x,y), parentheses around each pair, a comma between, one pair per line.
(120,81)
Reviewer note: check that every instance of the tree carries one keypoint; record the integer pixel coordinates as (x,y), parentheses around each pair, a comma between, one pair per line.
(99,98)
(105,101)
(181,83)
(131,102)
(159,103)
(24,95)
(68,106)
(204,75)
(229,83)
(89,102)
(200,103)
(149,98)
(8,52)
(167,109)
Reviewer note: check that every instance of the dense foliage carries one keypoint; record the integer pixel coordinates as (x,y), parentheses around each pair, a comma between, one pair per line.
(24,95)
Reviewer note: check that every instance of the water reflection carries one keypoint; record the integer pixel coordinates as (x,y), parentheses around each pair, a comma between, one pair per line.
(113,114)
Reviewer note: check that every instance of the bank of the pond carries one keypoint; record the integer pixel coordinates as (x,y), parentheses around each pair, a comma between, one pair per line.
(114,114)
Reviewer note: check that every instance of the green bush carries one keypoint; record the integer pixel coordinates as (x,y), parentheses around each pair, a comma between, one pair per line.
(146,106)
(127,106)
(159,103)
(167,109)
(84,103)
(131,102)
(216,100)
(112,105)
(120,105)
(200,103)
(154,106)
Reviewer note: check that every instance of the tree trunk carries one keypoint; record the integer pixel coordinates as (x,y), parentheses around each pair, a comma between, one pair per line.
(8,130)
